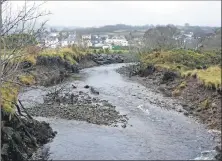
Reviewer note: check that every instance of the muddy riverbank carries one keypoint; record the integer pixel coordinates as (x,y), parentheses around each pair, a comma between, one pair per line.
(154,131)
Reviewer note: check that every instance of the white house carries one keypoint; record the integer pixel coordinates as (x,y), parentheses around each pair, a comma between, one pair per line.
(117,41)
(89,43)
(64,43)
(53,34)
(99,45)
(107,47)
(86,37)
(51,42)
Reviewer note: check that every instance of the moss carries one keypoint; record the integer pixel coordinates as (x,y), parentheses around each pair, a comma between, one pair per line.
(27,79)
(9,94)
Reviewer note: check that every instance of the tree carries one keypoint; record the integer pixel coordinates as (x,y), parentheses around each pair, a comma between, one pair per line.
(19,31)
(161,37)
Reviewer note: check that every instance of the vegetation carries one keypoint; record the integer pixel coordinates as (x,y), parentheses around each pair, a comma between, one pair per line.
(205,66)
(9,94)
(211,77)
(9,91)
(109,51)
(27,79)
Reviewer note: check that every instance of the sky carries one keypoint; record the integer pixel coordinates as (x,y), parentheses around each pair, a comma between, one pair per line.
(100,13)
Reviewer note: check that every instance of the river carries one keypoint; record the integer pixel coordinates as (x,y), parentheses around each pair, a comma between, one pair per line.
(155,132)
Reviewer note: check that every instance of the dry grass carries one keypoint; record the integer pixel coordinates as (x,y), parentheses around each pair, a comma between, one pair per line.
(27,79)
(210,78)
(68,54)
(185,62)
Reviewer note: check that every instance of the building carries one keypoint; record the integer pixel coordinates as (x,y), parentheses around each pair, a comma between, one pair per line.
(99,45)
(117,41)
(107,47)
(51,42)
(86,37)
(64,43)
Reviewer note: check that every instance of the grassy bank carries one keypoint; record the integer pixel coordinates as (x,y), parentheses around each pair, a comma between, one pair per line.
(9,90)
(196,81)
(204,66)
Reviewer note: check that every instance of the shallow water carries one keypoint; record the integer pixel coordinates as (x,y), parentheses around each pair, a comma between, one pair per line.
(155,133)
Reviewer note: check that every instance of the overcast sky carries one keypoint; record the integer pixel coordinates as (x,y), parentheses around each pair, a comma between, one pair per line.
(98,13)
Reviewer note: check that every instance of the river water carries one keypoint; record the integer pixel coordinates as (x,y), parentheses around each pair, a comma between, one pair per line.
(153,132)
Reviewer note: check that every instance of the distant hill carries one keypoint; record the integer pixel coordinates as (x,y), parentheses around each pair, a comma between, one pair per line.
(111,28)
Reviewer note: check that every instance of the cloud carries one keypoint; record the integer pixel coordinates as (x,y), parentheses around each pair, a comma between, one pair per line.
(97,13)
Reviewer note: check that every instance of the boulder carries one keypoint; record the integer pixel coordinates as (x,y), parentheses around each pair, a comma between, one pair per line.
(169,76)
(148,71)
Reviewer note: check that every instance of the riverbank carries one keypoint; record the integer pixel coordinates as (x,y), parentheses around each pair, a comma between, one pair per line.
(20,135)
(196,101)
(153,128)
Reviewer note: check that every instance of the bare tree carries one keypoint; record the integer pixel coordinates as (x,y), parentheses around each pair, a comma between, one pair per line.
(19,30)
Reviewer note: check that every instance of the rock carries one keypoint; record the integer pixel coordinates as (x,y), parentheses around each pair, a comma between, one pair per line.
(213,105)
(86,86)
(186,113)
(4,149)
(169,76)
(94,91)
(73,86)
(148,71)
(124,126)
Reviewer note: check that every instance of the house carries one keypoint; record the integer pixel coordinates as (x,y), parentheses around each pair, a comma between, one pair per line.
(107,47)
(54,34)
(86,37)
(99,45)
(89,43)
(120,41)
(64,43)
(51,42)
(71,39)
